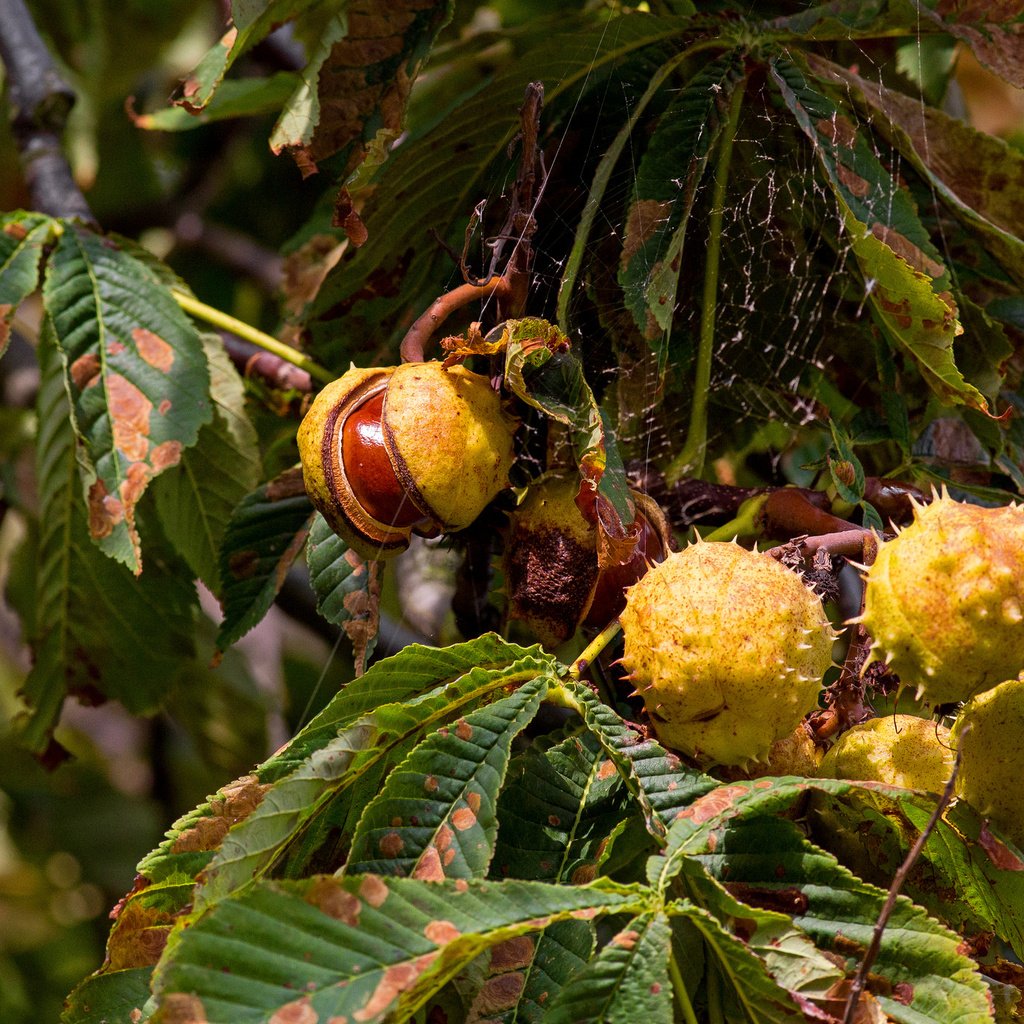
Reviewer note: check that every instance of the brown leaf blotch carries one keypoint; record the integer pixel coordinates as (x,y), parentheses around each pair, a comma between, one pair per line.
(444,838)
(512,954)
(115,348)
(391,845)
(605,770)
(626,939)
(395,980)
(85,370)
(441,932)
(129,411)
(335,901)
(300,1011)
(165,455)
(181,1008)
(157,352)
(500,992)
(430,784)
(429,868)
(463,730)
(373,890)
(463,819)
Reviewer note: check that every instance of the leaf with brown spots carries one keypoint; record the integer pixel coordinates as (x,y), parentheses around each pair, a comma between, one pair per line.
(906,285)
(137,376)
(93,627)
(111,997)
(264,536)
(400,953)
(196,499)
(627,980)
(448,789)
(22,240)
(347,589)
(354,92)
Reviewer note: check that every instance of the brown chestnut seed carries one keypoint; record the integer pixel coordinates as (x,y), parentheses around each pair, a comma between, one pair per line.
(368,467)
(388,450)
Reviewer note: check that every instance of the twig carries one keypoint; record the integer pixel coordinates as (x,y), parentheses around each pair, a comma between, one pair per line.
(275,372)
(843,542)
(40,101)
(861,976)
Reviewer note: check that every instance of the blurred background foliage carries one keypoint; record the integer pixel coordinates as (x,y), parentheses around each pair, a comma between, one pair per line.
(220,208)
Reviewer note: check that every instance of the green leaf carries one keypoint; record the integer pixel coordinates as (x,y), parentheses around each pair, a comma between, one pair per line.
(356,85)
(97,630)
(136,375)
(246,97)
(846,470)
(557,811)
(905,281)
(666,184)
(433,182)
(977,176)
(527,972)
(347,588)
(627,981)
(435,817)
(365,947)
(251,22)
(23,237)
(770,863)
(195,499)
(747,991)
(542,371)
(264,536)
(658,780)
(106,998)
(332,771)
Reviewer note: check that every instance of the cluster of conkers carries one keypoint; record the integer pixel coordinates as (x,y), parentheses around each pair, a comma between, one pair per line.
(417,448)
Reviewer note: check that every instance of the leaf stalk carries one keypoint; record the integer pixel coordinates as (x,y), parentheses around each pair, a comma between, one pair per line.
(690,459)
(226,322)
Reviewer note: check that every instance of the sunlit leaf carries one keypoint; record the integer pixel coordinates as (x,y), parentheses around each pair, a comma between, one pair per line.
(446,791)
(367,947)
(98,631)
(136,374)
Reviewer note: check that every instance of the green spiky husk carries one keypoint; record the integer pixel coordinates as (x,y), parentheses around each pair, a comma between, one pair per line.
(727,648)
(944,600)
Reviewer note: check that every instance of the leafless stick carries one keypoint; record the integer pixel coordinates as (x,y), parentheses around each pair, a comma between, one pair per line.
(861,976)
(40,101)
(414,344)
(843,542)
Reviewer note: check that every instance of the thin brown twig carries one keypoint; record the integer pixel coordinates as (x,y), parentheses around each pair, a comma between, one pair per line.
(860,978)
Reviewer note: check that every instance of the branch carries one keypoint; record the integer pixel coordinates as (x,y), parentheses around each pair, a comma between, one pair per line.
(890,901)
(414,344)
(40,101)
(275,372)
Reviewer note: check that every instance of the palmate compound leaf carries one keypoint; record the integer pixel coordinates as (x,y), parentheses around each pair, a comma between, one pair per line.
(906,285)
(660,783)
(297,813)
(22,238)
(435,817)
(435,181)
(627,981)
(195,499)
(136,374)
(264,536)
(108,997)
(347,588)
(364,947)
(94,628)
(925,975)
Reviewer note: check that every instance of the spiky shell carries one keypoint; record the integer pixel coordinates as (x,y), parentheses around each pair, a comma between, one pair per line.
(727,648)
(944,599)
(901,750)
(987,733)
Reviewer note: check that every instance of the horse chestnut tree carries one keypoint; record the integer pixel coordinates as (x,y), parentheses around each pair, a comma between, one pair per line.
(677,349)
